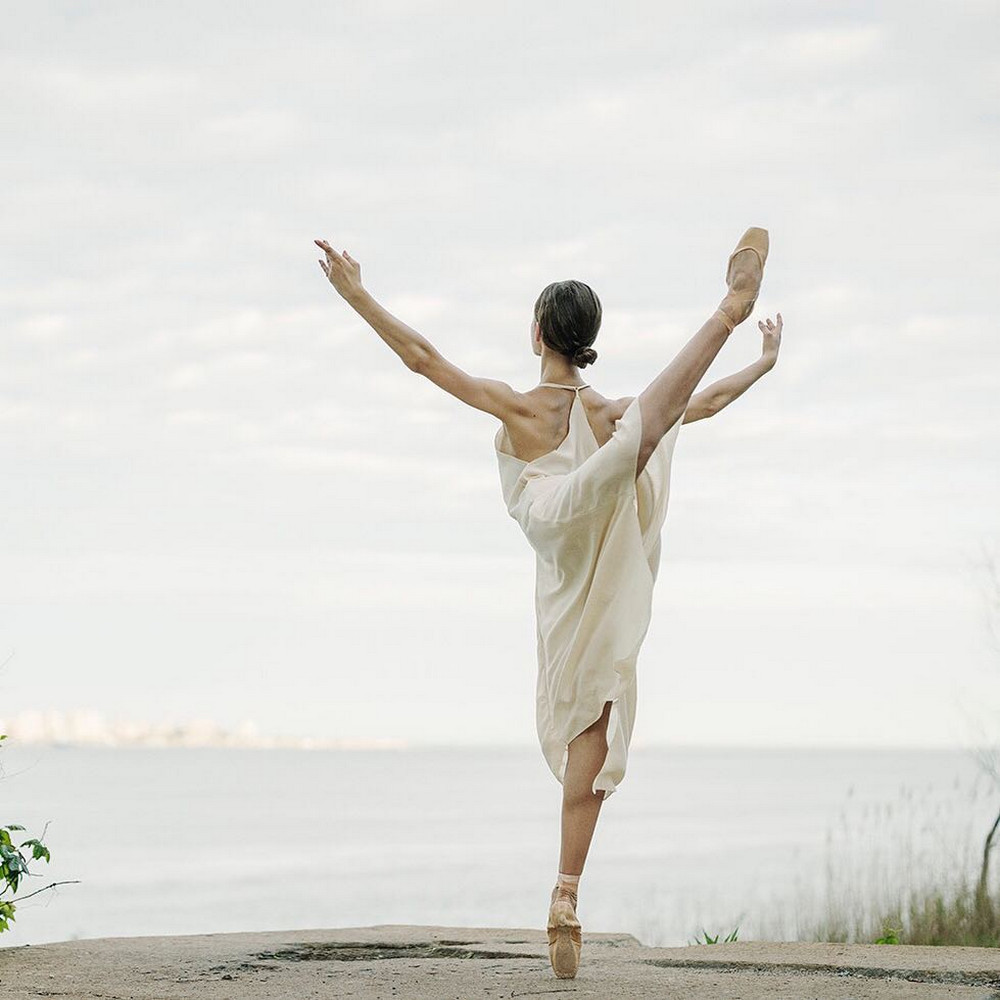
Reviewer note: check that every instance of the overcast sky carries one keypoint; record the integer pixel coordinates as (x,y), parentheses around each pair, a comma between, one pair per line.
(224,497)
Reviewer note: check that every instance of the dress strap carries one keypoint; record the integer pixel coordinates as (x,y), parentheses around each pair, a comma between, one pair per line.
(561,385)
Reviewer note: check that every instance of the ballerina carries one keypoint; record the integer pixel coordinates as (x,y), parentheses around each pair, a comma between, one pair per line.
(587,479)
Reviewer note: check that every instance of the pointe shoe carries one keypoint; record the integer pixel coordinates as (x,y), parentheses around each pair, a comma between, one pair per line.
(564,932)
(755,240)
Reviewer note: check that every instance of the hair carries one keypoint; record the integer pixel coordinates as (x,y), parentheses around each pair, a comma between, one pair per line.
(569,316)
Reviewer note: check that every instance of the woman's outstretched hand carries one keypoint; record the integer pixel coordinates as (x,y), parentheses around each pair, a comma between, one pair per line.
(343,272)
(772,338)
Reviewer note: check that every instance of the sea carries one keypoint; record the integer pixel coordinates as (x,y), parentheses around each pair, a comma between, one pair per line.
(756,843)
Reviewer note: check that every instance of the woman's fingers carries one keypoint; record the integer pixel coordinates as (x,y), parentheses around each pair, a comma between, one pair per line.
(324,245)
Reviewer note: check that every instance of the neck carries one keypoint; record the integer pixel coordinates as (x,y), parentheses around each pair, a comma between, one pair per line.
(557,367)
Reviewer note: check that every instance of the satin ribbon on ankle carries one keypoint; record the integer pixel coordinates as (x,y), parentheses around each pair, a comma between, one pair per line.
(727,319)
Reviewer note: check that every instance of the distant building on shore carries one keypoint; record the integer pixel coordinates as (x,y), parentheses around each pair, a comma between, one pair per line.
(85,727)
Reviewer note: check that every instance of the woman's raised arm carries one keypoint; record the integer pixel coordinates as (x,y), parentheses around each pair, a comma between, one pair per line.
(415,350)
(344,273)
(708,401)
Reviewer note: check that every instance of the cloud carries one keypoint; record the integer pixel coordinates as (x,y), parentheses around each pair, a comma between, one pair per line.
(836,45)
(186,407)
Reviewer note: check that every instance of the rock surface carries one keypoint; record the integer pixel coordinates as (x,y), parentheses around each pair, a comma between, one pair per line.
(455,963)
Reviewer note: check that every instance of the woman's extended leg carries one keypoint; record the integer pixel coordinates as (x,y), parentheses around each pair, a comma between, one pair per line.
(580,808)
(665,399)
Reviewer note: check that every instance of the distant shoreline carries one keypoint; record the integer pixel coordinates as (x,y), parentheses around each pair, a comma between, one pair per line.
(290,744)
(184,742)
(88,727)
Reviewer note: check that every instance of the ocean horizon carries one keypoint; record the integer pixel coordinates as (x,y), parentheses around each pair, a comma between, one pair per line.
(208,840)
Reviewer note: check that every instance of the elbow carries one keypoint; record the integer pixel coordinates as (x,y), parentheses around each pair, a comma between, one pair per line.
(416,361)
(714,404)
(422,360)
(702,410)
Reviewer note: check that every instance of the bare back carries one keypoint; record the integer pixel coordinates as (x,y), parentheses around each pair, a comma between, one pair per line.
(543,419)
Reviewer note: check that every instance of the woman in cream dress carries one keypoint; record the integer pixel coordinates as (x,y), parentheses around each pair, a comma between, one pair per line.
(587,479)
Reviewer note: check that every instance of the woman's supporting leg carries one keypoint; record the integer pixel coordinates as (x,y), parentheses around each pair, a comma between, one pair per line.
(665,399)
(580,807)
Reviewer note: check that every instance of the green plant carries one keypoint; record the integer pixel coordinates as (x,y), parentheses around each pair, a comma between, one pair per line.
(890,935)
(715,940)
(14,867)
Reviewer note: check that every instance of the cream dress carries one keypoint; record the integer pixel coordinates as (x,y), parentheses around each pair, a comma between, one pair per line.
(595,530)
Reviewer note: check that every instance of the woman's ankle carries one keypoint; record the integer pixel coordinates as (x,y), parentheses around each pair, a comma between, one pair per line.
(567,885)
(737,306)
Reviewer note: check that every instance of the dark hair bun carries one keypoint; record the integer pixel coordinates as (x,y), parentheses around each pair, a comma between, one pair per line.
(584,356)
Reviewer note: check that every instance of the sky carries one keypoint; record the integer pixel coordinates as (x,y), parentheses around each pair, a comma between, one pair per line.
(224,497)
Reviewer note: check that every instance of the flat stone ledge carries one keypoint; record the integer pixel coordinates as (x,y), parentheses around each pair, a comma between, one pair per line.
(409,961)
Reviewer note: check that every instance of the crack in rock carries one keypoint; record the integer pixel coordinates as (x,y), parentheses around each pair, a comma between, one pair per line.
(362,951)
(990,979)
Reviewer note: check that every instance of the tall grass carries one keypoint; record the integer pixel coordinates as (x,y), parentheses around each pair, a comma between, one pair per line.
(897,874)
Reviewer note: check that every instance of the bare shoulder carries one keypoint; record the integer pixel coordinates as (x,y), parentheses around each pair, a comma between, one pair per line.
(698,407)
(618,407)
(609,410)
